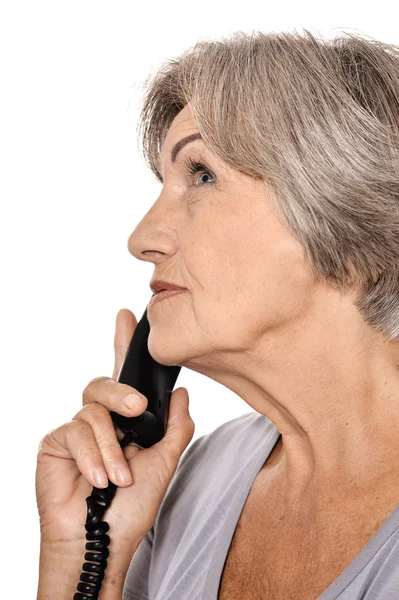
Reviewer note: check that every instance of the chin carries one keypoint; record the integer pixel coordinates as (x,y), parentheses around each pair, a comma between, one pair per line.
(164,353)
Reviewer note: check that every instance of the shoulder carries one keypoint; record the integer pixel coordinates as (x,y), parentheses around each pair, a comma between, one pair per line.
(235,433)
(208,462)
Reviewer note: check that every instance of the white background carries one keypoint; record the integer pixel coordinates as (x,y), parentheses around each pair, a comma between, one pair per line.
(73,187)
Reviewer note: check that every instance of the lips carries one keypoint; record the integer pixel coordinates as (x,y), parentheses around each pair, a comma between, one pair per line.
(158,286)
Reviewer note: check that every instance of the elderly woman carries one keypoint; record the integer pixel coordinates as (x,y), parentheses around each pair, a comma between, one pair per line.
(278,156)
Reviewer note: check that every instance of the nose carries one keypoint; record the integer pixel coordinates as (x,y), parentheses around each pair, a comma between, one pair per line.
(154,238)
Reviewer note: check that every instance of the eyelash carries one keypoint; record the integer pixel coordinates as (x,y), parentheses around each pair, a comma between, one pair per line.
(196,167)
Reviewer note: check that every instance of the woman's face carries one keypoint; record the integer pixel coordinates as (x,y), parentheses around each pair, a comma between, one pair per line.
(215,234)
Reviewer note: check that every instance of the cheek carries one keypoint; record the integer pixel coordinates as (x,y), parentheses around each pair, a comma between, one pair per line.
(207,260)
(245,276)
(283,287)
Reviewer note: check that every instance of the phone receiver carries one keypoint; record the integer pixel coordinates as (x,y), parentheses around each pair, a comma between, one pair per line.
(156,382)
(152,379)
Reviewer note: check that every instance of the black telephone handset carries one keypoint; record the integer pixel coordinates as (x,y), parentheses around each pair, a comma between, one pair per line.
(156,382)
(152,379)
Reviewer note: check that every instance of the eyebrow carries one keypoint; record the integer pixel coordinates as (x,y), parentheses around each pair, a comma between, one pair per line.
(180,144)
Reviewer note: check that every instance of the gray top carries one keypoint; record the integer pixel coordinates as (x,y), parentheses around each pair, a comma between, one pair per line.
(183,555)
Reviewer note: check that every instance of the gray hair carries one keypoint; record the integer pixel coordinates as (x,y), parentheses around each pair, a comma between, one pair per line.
(316,120)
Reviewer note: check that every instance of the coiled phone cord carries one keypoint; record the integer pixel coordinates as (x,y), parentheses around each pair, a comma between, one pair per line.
(155,381)
(98,540)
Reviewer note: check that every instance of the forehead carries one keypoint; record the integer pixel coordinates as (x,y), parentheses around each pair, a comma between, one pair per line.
(182,125)
(183,119)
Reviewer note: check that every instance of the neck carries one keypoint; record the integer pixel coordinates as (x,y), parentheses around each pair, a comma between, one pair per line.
(332,390)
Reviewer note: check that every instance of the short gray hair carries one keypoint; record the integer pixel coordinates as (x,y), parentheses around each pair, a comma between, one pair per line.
(318,121)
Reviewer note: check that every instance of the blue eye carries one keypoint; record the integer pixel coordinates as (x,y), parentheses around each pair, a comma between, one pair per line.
(196,167)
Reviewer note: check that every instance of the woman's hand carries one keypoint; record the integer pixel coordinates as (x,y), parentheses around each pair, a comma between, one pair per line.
(70,455)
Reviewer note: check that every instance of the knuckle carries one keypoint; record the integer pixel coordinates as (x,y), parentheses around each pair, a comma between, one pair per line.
(76,429)
(106,434)
(88,452)
(93,413)
(91,387)
(45,442)
(80,438)
(91,409)
(110,450)
(100,422)
(114,395)
(45,438)
(108,446)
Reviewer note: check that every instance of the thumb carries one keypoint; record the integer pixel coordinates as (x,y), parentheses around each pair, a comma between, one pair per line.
(125,326)
(180,427)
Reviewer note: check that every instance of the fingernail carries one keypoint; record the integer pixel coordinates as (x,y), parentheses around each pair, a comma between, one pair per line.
(101,477)
(123,474)
(132,400)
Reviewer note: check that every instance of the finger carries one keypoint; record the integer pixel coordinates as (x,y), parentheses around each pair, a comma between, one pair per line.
(100,422)
(125,326)
(180,426)
(75,440)
(115,396)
